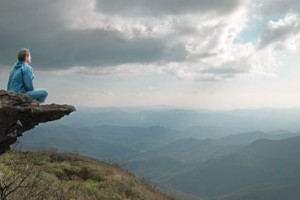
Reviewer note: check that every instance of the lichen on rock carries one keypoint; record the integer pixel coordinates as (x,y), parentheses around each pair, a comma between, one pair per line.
(18,114)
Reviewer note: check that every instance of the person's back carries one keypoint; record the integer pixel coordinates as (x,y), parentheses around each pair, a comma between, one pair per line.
(21,78)
(18,76)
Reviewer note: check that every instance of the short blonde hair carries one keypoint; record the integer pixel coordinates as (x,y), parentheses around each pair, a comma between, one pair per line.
(22,54)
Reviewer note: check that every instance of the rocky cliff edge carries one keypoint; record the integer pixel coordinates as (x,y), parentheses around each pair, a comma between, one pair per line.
(18,114)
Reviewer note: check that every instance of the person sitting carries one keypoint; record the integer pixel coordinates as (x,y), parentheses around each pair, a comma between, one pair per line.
(21,78)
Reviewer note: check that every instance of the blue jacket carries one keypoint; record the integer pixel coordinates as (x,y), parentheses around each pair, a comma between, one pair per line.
(20,78)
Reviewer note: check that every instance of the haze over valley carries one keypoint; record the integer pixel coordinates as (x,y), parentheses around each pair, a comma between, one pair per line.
(187,153)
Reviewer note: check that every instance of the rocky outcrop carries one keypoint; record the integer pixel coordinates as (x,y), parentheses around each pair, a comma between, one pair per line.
(18,114)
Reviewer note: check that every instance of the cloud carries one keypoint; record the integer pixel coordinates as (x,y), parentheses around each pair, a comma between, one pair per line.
(191,39)
(45,29)
(277,7)
(35,24)
(101,48)
(282,34)
(153,8)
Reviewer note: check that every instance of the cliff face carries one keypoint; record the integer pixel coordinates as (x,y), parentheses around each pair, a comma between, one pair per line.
(18,114)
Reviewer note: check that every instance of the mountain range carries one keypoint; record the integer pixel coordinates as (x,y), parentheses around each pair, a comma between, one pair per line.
(200,159)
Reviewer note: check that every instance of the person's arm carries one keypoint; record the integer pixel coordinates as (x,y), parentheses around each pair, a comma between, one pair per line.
(28,78)
(9,81)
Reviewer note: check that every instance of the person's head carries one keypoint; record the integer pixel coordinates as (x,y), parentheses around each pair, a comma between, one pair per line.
(24,55)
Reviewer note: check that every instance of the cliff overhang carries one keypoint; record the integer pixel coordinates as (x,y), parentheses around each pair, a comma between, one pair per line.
(18,114)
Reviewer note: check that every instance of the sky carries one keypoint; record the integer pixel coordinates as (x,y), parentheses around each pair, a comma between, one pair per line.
(213,54)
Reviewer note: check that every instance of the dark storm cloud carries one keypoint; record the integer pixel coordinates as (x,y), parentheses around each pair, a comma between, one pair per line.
(165,7)
(41,27)
(92,48)
(28,24)
(103,48)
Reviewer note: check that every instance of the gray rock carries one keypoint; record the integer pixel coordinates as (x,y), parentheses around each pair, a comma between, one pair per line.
(18,114)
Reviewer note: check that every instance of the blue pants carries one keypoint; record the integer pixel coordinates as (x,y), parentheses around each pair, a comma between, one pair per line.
(39,95)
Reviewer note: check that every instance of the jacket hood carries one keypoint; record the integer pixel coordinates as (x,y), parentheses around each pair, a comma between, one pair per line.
(19,64)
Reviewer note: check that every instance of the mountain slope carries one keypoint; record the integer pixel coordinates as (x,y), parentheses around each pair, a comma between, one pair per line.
(135,138)
(262,162)
(249,137)
(52,175)
(95,148)
(192,150)
(154,169)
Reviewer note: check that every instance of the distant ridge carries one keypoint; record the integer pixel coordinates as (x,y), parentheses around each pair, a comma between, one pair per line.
(264,162)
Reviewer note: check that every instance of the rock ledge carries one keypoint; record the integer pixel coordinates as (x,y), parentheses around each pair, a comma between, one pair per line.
(18,114)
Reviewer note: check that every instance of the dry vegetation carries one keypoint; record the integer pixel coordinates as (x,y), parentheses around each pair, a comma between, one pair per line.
(59,176)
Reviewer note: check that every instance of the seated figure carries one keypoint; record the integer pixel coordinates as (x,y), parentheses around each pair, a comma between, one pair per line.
(21,78)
